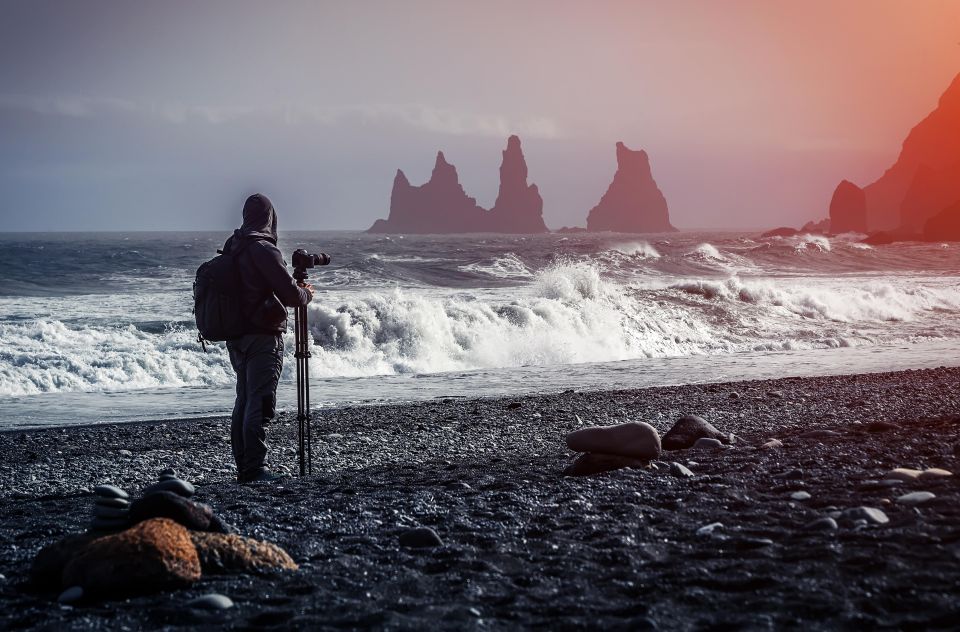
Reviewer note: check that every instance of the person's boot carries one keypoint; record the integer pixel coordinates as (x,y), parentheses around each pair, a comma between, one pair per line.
(262,476)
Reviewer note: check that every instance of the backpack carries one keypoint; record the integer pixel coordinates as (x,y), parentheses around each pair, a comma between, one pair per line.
(216,297)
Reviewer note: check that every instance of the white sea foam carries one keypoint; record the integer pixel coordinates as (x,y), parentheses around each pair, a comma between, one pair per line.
(706,251)
(508,266)
(640,249)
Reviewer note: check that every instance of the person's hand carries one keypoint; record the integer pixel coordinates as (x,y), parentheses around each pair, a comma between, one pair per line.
(308,288)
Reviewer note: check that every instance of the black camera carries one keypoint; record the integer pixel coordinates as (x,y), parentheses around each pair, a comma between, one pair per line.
(303,259)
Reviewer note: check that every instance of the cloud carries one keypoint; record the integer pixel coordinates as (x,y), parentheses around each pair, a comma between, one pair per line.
(418,116)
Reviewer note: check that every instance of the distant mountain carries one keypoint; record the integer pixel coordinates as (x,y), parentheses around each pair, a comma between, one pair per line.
(442,206)
(924,179)
(633,203)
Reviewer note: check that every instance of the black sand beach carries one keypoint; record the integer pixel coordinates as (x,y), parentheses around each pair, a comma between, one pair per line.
(523,545)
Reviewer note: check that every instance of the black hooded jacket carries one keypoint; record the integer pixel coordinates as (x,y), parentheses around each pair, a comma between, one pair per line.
(267,287)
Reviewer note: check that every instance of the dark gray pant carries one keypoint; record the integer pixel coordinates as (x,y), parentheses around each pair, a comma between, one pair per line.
(257,359)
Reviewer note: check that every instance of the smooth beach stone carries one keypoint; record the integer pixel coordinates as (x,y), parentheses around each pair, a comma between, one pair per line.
(884,484)
(871,514)
(118,503)
(801,495)
(790,475)
(708,529)
(213,601)
(935,472)
(590,463)
(821,524)
(706,443)
(680,471)
(71,595)
(110,491)
(633,439)
(124,452)
(110,512)
(167,477)
(169,471)
(168,504)
(687,430)
(915,498)
(420,537)
(881,426)
(904,474)
(175,485)
(772,444)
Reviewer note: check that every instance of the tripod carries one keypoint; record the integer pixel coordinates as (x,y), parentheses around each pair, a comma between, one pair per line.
(302,354)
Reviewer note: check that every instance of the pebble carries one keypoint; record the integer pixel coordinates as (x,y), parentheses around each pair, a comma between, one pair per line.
(708,529)
(171,477)
(213,601)
(935,472)
(904,474)
(772,444)
(420,537)
(118,503)
(915,498)
(794,474)
(706,443)
(71,595)
(775,394)
(124,452)
(734,395)
(884,484)
(870,514)
(175,485)
(822,524)
(110,491)
(680,471)
(168,471)
(820,434)
(801,495)
(881,426)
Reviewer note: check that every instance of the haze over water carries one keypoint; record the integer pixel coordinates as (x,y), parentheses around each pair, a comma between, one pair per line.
(97,327)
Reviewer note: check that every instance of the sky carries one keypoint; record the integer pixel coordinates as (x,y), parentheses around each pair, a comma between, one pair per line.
(166,114)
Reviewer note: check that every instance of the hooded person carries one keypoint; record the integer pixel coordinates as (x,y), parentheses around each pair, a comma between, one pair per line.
(267,289)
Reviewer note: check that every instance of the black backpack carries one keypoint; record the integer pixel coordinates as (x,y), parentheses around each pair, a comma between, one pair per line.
(216,297)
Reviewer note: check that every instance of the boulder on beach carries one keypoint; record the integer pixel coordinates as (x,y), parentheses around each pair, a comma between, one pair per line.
(591,463)
(153,555)
(48,565)
(633,439)
(687,430)
(231,553)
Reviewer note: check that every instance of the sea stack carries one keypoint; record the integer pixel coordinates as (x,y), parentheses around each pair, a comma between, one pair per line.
(633,203)
(923,180)
(439,206)
(519,207)
(848,209)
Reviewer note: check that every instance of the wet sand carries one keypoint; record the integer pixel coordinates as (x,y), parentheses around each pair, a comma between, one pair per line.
(523,545)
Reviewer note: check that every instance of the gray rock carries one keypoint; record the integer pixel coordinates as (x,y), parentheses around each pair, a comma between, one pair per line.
(420,537)
(117,503)
(124,452)
(801,495)
(915,498)
(109,524)
(687,430)
(821,524)
(708,529)
(213,601)
(706,443)
(71,595)
(175,485)
(871,514)
(110,491)
(790,475)
(680,471)
(636,440)
(775,394)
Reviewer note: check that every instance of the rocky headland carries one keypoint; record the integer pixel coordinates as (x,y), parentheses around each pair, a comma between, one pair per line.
(797,503)
(633,203)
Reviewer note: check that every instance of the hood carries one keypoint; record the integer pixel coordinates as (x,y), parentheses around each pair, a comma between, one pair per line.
(259,218)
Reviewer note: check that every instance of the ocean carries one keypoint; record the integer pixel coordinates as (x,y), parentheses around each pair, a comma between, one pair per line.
(97,327)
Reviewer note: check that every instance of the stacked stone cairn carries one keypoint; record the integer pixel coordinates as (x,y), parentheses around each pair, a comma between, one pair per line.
(162,540)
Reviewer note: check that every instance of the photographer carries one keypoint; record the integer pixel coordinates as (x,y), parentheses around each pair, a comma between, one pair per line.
(267,289)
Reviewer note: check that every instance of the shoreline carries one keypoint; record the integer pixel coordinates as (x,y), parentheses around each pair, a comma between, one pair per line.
(523,545)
